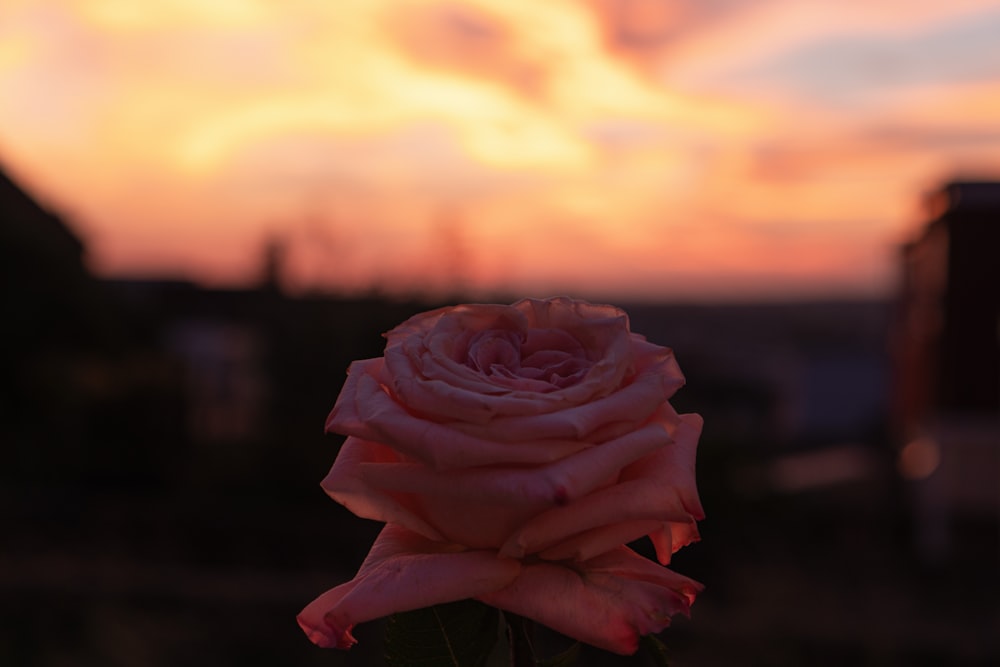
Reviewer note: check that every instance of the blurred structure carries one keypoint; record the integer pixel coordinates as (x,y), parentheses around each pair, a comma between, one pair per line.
(58,332)
(779,377)
(946,344)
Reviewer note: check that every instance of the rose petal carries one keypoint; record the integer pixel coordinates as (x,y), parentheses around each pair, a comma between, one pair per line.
(628,407)
(403,571)
(482,507)
(607,602)
(439,445)
(602,330)
(669,538)
(660,486)
(677,462)
(594,542)
(345,417)
(346,484)
(623,562)
(426,359)
(557,483)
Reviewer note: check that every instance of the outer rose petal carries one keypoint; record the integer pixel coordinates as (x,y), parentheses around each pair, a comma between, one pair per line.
(673,535)
(557,483)
(345,417)
(403,571)
(345,483)
(609,601)
(482,507)
(680,466)
(594,542)
(660,486)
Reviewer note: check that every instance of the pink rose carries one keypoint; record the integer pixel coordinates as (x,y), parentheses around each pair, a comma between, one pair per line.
(513,452)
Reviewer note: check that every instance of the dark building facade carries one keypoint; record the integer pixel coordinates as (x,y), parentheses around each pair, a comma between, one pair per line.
(948,338)
(946,346)
(57,322)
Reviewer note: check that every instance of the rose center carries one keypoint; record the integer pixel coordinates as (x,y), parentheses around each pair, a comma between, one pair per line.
(493,351)
(542,360)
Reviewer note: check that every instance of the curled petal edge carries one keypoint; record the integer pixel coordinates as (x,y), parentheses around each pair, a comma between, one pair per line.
(403,571)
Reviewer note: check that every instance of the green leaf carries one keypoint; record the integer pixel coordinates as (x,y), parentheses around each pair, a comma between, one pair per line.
(567,658)
(457,634)
(653,647)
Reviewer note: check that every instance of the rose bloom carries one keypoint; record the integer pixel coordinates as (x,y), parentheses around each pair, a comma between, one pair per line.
(513,452)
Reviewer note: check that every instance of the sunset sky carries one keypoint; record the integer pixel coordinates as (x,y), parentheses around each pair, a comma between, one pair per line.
(622,148)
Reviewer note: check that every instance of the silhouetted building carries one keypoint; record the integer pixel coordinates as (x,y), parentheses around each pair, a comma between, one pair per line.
(946,411)
(45,292)
(41,271)
(85,394)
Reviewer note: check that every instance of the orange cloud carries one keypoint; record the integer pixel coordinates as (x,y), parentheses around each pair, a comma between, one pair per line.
(601,145)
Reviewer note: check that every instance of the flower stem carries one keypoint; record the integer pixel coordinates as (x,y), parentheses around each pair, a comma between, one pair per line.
(520,633)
